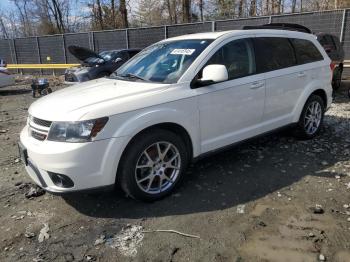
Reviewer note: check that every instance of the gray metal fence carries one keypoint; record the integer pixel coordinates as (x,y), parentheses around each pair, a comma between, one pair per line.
(53,49)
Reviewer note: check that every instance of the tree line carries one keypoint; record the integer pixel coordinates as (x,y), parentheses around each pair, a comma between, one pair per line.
(45,17)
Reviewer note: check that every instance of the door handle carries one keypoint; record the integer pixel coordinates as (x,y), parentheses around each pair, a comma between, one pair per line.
(256,85)
(301,74)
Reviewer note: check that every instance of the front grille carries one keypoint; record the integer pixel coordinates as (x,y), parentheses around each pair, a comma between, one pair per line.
(39,128)
(41,122)
(37,135)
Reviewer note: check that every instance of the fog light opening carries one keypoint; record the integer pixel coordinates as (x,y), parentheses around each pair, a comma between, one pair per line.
(61,180)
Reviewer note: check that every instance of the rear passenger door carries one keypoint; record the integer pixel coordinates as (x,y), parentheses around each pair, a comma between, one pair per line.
(285,81)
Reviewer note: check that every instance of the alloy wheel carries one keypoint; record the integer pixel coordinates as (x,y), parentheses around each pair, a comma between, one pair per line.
(158,167)
(313,117)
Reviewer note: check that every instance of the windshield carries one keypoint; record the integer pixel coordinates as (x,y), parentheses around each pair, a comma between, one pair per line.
(106,55)
(163,62)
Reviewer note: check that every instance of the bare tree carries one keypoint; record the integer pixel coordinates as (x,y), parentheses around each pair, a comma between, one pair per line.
(252,8)
(124,13)
(240,8)
(186,11)
(3,27)
(200,3)
(294,3)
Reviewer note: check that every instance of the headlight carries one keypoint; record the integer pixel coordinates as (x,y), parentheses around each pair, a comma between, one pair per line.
(83,77)
(76,132)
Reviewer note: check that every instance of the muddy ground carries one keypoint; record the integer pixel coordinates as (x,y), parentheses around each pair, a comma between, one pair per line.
(255,202)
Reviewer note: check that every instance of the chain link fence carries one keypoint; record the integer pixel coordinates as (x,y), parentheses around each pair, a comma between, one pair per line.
(53,49)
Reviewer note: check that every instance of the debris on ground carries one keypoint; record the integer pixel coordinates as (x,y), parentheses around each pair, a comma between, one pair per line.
(170,231)
(240,209)
(128,240)
(317,209)
(44,233)
(100,240)
(321,257)
(34,191)
(90,258)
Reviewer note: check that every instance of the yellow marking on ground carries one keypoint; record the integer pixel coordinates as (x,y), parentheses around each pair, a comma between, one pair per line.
(40,66)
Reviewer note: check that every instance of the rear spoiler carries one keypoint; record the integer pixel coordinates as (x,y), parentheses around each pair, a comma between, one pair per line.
(280,26)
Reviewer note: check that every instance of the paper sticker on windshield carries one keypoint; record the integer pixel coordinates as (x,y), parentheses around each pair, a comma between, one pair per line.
(182,51)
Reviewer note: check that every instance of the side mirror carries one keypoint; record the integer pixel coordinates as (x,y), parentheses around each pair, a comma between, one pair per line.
(212,74)
(118,59)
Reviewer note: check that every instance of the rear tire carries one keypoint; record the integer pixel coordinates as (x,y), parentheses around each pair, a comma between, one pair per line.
(336,81)
(153,165)
(311,118)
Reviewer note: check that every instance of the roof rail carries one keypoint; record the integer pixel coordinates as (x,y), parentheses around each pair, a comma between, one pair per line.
(280,26)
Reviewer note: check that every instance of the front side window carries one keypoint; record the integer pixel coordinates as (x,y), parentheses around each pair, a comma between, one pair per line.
(238,58)
(163,62)
(273,53)
(306,51)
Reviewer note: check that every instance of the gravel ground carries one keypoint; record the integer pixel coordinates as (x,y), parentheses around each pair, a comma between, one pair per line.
(271,199)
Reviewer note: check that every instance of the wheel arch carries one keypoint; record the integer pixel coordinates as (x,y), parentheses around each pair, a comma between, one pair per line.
(321,93)
(169,126)
(303,99)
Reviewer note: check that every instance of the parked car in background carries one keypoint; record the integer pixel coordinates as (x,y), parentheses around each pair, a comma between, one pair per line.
(6,78)
(334,49)
(96,65)
(179,99)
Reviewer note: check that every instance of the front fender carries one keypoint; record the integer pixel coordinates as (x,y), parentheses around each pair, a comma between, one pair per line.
(184,114)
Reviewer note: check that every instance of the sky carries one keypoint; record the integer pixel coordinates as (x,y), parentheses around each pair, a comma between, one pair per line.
(5,4)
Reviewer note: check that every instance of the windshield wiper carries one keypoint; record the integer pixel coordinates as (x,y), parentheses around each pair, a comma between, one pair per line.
(130,75)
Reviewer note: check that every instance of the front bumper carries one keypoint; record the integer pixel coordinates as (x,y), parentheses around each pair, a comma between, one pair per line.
(89,165)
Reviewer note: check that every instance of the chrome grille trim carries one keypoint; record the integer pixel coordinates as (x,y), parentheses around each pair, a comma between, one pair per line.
(38,128)
(37,135)
(41,122)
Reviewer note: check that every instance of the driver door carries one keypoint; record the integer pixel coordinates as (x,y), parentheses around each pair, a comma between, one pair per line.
(232,110)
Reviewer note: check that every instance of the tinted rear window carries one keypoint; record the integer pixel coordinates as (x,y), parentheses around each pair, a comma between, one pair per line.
(306,51)
(273,53)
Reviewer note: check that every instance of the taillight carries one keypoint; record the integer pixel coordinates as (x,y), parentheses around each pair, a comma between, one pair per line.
(332,65)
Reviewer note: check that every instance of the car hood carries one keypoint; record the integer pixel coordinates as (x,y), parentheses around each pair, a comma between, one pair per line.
(82,53)
(96,98)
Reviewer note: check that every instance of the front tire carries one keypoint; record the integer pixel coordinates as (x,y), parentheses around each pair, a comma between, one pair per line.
(153,165)
(311,118)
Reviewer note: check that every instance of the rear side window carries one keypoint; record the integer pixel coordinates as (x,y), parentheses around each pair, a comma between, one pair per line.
(238,58)
(306,51)
(273,53)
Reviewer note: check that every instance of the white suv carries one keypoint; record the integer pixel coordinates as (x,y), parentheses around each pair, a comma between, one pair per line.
(175,101)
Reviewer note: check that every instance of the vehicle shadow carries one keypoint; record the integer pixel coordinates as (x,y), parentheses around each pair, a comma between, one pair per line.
(13,92)
(247,172)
